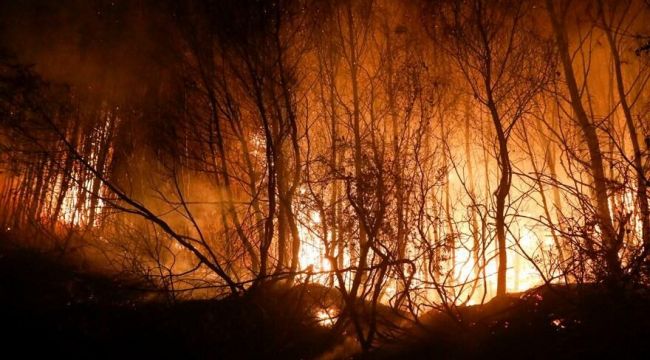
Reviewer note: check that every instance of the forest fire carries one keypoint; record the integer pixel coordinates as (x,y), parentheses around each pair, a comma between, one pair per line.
(369,169)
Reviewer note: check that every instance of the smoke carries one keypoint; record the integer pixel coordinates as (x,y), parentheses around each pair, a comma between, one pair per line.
(114,50)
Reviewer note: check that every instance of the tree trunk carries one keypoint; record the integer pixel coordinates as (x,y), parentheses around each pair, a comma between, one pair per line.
(588,129)
(642,194)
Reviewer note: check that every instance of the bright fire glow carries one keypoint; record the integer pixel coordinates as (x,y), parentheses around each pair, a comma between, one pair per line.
(326,317)
(469,287)
(77,204)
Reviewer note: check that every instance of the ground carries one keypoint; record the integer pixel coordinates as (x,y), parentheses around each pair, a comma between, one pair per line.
(49,306)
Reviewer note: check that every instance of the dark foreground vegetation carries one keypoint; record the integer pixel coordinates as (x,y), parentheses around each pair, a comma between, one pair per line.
(64,312)
(62,309)
(548,323)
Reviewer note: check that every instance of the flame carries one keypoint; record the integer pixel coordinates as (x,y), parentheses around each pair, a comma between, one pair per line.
(522,274)
(78,197)
(312,251)
(75,209)
(528,245)
(313,254)
(326,317)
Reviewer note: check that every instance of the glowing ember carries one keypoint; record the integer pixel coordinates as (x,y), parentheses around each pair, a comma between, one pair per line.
(558,323)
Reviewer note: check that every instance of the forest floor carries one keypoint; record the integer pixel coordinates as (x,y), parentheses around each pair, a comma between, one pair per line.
(49,306)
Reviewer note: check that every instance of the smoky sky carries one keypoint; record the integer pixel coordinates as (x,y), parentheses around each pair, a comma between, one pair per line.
(118,49)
